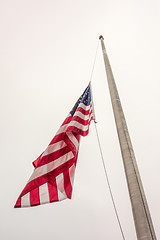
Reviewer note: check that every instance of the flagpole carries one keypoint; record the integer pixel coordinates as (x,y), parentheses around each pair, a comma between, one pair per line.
(141,215)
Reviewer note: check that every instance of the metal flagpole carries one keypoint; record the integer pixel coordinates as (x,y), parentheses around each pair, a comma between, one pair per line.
(141,215)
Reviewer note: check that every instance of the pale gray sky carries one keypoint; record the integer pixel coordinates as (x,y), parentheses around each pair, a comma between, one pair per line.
(47,50)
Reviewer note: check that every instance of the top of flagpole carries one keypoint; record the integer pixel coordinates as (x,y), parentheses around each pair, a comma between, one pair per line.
(101,37)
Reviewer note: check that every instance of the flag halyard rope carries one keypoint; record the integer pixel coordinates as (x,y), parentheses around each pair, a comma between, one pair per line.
(101,153)
(108,183)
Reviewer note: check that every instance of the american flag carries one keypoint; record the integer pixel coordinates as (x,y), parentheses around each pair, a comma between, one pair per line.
(52,179)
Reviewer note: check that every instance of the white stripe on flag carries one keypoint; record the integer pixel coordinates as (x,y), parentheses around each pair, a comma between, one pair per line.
(25,200)
(78,125)
(54,147)
(73,139)
(38,172)
(60,187)
(61,196)
(71,173)
(86,108)
(91,116)
(81,115)
(62,129)
(44,194)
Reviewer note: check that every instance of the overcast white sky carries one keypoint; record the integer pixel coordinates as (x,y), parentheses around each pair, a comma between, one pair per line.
(47,50)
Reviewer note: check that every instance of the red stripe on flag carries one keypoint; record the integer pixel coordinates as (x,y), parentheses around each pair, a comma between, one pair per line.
(34,197)
(85,112)
(53,156)
(67,120)
(77,136)
(67,184)
(78,131)
(18,203)
(36,162)
(52,187)
(57,138)
(80,120)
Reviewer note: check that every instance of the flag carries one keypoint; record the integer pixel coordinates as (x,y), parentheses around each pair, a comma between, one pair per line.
(52,178)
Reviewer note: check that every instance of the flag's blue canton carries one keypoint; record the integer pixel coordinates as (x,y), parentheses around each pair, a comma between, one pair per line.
(85,98)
